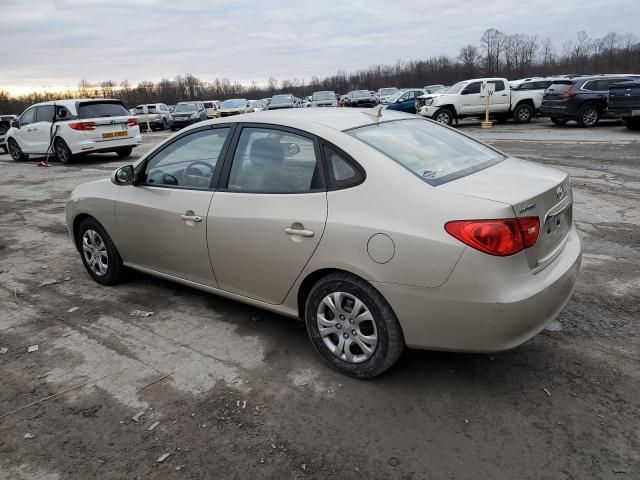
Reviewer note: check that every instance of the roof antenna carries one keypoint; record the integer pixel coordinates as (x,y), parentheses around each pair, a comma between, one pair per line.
(376,115)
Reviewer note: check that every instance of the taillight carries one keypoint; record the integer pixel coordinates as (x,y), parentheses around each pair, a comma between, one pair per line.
(132,122)
(501,237)
(569,92)
(83,126)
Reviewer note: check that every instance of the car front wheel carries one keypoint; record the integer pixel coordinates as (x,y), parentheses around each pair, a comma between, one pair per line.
(444,116)
(352,326)
(99,255)
(588,116)
(15,151)
(523,113)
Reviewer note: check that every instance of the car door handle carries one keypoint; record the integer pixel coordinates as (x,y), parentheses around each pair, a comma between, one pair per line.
(295,231)
(192,218)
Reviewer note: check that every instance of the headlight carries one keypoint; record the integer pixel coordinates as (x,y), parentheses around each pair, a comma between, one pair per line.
(194,115)
(428,102)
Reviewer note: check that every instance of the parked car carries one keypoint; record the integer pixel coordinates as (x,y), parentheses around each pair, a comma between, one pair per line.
(325,98)
(624,103)
(534,83)
(258,105)
(385,93)
(5,124)
(360,99)
(71,128)
(283,101)
(404,100)
(187,113)
(463,248)
(433,88)
(157,114)
(235,106)
(212,107)
(582,99)
(465,99)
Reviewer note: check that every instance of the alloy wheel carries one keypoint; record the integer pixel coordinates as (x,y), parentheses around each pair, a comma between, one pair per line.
(62,152)
(14,150)
(95,252)
(590,116)
(443,117)
(524,114)
(347,327)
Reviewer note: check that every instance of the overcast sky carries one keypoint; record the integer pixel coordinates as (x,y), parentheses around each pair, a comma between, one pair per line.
(56,43)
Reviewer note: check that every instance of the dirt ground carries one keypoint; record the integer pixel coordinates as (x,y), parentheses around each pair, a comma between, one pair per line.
(249,398)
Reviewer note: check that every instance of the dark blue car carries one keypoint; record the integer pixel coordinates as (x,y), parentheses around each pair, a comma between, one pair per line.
(405,101)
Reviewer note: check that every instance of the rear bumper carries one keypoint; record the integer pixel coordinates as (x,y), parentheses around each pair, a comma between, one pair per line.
(90,146)
(481,313)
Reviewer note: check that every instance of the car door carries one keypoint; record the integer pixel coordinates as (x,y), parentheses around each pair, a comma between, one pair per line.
(268,219)
(41,133)
(470,101)
(25,135)
(500,100)
(162,220)
(408,101)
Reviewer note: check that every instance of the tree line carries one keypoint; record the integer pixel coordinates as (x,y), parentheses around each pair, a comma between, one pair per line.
(497,54)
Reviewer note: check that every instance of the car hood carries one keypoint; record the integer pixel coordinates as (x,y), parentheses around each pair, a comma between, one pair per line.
(442,97)
(234,109)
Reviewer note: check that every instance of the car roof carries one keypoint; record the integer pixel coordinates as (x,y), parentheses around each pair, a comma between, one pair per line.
(71,103)
(338,119)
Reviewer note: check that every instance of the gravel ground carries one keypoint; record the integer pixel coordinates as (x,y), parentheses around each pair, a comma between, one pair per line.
(248,397)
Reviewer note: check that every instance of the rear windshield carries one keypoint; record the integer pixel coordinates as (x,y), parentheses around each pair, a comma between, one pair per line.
(186,107)
(282,99)
(324,96)
(361,94)
(101,109)
(434,153)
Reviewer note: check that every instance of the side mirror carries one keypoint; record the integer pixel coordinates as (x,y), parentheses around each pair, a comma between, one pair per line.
(124,175)
(14,124)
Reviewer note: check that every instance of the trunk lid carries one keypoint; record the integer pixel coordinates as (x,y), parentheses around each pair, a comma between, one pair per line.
(531,190)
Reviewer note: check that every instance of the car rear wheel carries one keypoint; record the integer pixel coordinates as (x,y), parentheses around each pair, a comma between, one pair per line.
(632,123)
(559,121)
(15,151)
(352,326)
(124,152)
(99,255)
(63,152)
(523,113)
(443,116)
(588,116)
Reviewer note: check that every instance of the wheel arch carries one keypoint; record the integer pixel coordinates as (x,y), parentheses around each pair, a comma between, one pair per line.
(314,277)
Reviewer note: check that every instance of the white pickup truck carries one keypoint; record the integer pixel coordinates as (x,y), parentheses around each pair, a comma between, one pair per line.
(465,99)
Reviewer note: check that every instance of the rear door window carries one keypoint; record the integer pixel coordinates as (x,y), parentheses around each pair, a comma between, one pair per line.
(101,109)
(499,85)
(434,153)
(45,114)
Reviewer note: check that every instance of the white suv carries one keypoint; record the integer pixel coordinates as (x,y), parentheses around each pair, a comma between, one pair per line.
(73,127)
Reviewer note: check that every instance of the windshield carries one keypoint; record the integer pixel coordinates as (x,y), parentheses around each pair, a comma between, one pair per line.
(434,153)
(361,94)
(323,96)
(234,103)
(457,87)
(282,99)
(101,109)
(383,92)
(185,107)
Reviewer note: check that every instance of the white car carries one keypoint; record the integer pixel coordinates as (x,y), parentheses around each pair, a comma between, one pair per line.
(70,128)
(466,99)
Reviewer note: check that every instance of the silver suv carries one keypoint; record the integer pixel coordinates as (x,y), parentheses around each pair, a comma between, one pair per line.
(152,116)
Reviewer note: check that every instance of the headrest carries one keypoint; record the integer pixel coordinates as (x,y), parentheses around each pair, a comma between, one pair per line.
(266,151)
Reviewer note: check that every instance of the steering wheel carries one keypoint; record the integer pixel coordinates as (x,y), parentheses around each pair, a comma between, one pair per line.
(160,177)
(195,177)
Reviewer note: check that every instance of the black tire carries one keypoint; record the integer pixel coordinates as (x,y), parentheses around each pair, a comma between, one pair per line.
(164,124)
(559,121)
(15,151)
(444,116)
(588,116)
(523,113)
(115,270)
(390,340)
(632,123)
(124,152)
(62,150)
(173,129)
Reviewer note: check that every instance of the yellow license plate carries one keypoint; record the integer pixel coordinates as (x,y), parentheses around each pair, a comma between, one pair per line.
(123,133)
